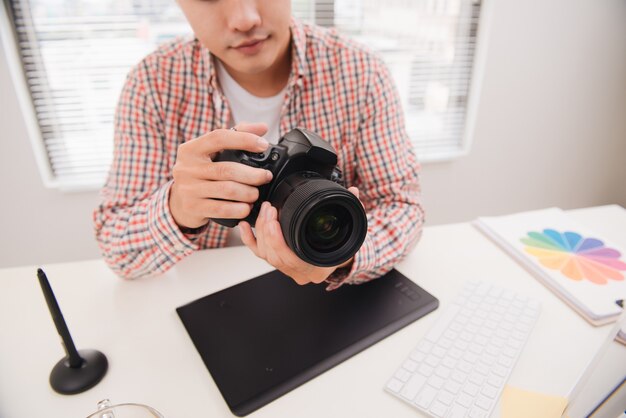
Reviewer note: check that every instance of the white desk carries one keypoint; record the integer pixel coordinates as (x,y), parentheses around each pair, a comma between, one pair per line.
(152,359)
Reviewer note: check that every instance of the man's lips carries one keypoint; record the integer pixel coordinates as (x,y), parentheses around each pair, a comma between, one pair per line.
(250,47)
(249,43)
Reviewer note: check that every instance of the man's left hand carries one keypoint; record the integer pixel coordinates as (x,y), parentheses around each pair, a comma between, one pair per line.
(269,244)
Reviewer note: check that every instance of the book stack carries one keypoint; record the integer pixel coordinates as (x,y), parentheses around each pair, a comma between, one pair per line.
(584,270)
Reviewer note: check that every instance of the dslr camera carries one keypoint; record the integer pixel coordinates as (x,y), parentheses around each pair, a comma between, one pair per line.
(322,222)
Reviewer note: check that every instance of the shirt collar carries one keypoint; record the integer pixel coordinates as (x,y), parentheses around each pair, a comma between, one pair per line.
(298,45)
(299,68)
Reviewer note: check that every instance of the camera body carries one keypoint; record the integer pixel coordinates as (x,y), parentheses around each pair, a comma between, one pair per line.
(320,219)
(299,150)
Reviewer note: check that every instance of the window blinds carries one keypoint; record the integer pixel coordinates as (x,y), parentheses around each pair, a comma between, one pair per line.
(76,53)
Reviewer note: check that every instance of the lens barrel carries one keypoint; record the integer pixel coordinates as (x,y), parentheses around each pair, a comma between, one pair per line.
(322,222)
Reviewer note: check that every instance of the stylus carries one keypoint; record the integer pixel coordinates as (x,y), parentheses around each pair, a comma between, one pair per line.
(75,361)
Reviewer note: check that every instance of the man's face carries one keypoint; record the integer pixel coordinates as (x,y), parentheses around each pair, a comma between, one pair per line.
(248,36)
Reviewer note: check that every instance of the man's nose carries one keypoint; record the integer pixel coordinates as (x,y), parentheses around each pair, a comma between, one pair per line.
(243,15)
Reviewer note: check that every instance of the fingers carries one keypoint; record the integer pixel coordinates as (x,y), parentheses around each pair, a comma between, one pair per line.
(354,191)
(272,247)
(233,171)
(229,190)
(248,238)
(259,129)
(222,209)
(221,139)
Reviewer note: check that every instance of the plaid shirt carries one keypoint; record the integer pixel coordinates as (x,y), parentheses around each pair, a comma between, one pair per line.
(336,88)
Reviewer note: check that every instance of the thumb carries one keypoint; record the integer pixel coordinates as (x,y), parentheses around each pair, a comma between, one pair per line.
(354,191)
(259,129)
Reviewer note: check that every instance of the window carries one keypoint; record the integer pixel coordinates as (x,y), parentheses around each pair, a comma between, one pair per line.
(75,54)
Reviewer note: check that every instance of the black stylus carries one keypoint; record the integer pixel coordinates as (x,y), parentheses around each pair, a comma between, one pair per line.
(75,361)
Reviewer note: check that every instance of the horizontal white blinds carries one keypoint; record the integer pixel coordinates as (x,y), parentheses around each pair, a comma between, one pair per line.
(76,54)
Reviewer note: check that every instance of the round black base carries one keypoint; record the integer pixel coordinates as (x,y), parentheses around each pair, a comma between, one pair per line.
(68,381)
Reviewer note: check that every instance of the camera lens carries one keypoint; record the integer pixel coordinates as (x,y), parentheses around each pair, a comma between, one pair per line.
(322,222)
(328,227)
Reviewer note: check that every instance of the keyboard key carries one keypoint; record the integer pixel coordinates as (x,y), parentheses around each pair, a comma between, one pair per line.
(425,346)
(438,409)
(461,345)
(425,370)
(500,370)
(413,386)
(410,365)
(449,362)
(461,365)
(452,387)
(458,376)
(458,411)
(402,375)
(477,413)
(436,382)
(432,361)
(445,397)
(446,343)
(465,400)
(426,396)
(489,391)
(483,402)
(476,378)
(465,367)
(439,351)
(418,356)
(471,389)
(466,336)
(394,385)
(495,381)
(455,353)
(443,371)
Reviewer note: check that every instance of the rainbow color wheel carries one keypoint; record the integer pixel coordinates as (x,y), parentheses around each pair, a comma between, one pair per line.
(576,257)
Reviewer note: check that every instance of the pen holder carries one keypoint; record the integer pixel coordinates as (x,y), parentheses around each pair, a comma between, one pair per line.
(69,380)
(78,370)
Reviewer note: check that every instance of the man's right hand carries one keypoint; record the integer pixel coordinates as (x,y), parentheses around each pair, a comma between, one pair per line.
(204,189)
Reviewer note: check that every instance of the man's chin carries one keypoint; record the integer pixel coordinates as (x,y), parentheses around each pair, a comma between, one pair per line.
(249,66)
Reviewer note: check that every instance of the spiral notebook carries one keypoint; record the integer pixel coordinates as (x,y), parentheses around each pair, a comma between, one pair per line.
(583,269)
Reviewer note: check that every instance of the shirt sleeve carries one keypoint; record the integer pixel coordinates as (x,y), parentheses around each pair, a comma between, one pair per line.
(133,224)
(387,175)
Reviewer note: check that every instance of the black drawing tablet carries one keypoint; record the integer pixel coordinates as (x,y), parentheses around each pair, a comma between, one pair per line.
(268,335)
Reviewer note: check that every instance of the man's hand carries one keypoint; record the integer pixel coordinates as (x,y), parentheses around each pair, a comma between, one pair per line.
(269,244)
(204,189)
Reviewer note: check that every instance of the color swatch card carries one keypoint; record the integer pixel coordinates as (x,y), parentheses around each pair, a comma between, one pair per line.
(585,270)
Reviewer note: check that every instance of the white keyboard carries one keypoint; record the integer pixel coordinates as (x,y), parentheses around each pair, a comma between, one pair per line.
(461,365)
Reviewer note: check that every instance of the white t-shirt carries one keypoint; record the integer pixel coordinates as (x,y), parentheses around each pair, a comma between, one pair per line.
(246,107)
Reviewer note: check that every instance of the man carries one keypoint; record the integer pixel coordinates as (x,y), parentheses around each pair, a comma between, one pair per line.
(251,62)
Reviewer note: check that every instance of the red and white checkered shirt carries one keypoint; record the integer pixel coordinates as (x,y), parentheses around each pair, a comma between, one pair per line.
(336,88)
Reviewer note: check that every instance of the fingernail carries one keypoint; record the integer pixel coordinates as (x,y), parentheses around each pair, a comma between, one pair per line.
(268,174)
(261,142)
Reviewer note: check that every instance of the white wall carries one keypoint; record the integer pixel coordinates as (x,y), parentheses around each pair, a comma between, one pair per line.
(550,130)
(551,124)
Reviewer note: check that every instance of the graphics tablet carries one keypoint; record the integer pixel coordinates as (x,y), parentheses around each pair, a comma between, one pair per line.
(268,335)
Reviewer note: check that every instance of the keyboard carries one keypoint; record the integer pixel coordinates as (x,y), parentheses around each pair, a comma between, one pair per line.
(460,366)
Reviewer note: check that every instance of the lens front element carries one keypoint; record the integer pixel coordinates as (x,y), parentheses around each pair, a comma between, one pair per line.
(322,222)
(328,228)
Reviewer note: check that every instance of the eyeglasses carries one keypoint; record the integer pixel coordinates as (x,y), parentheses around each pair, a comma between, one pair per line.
(124,410)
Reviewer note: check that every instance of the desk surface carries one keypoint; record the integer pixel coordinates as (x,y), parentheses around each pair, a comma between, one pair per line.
(153,361)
